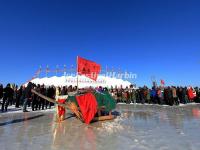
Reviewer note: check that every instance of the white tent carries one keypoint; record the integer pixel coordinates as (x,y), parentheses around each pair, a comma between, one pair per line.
(83,81)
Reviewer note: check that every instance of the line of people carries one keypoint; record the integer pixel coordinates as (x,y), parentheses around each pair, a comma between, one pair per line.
(11,95)
(22,97)
(157,95)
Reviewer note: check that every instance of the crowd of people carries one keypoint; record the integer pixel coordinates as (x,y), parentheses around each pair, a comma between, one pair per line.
(23,97)
(157,95)
(12,95)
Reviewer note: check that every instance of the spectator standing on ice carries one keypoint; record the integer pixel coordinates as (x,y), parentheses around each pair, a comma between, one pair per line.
(15,97)
(179,93)
(118,95)
(38,102)
(153,95)
(63,91)
(132,94)
(18,98)
(174,95)
(1,91)
(51,94)
(7,97)
(197,95)
(145,92)
(148,97)
(34,105)
(183,93)
(137,94)
(22,95)
(142,96)
(168,96)
(160,96)
(28,95)
(42,101)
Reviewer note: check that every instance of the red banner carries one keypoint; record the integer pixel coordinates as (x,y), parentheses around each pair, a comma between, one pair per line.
(88,68)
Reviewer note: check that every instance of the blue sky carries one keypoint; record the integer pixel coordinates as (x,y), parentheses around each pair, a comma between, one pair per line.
(149,37)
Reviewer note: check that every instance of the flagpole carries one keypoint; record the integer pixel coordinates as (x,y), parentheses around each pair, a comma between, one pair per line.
(77,71)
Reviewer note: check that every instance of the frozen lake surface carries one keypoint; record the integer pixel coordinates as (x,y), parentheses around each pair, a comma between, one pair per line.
(139,127)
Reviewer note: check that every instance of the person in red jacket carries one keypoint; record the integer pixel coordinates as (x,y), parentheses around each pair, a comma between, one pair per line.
(191,94)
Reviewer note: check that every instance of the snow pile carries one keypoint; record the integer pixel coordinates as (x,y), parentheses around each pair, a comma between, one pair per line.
(82,81)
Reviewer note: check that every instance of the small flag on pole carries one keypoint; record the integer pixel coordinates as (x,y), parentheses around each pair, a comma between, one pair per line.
(162,82)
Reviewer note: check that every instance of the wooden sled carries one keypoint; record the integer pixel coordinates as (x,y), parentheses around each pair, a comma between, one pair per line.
(73,108)
(103,118)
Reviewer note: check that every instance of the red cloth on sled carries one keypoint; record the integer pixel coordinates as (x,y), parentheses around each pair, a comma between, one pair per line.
(61,110)
(88,106)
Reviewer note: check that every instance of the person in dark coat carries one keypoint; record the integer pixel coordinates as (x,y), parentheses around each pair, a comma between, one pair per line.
(119,95)
(184,95)
(34,105)
(128,101)
(17,96)
(27,95)
(50,94)
(174,95)
(1,91)
(42,101)
(53,94)
(22,97)
(7,97)
(132,94)
(160,96)
(170,96)
(38,99)
(137,93)
(63,91)
(142,96)
(153,94)
(198,95)
(179,94)
(197,100)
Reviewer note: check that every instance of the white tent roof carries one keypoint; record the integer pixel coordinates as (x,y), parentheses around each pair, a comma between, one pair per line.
(83,81)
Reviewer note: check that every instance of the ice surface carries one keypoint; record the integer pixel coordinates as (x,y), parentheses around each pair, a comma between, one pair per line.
(139,127)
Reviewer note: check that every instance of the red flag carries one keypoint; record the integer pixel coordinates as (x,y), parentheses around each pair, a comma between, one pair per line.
(88,68)
(88,106)
(162,82)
